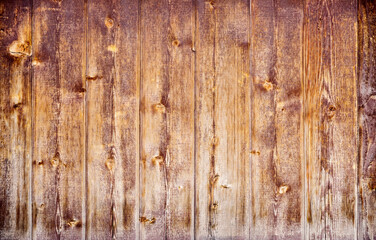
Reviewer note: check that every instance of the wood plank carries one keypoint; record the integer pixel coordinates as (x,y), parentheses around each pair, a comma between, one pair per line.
(112,120)
(59,129)
(277,138)
(167,120)
(223,120)
(15,119)
(367,120)
(330,118)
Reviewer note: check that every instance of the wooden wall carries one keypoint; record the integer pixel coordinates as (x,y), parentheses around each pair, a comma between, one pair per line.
(188,119)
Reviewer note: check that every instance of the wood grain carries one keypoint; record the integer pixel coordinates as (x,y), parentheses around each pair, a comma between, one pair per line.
(222,128)
(15,121)
(167,120)
(330,118)
(189,119)
(58,119)
(367,120)
(277,142)
(112,120)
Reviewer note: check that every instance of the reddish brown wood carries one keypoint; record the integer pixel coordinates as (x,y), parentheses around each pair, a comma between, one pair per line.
(167,120)
(112,105)
(277,130)
(330,106)
(15,119)
(222,120)
(189,119)
(367,105)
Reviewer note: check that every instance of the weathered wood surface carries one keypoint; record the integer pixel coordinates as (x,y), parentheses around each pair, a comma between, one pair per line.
(167,120)
(367,121)
(222,120)
(58,55)
(330,118)
(15,119)
(277,139)
(112,104)
(187,119)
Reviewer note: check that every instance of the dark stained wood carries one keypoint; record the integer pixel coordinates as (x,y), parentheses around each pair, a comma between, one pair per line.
(167,120)
(15,119)
(112,120)
(222,127)
(367,120)
(330,61)
(277,142)
(58,119)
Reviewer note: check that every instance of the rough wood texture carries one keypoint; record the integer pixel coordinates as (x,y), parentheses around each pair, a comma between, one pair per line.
(277,156)
(187,119)
(367,120)
(330,61)
(58,118)
(167,120)
(112,120)
(222,127)
(15,119)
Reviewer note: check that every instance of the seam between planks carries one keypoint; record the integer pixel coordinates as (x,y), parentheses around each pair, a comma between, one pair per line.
(140,106)
(249,34)
(32,124)
(194,3)
(85,180)
(304,125)
(357,130)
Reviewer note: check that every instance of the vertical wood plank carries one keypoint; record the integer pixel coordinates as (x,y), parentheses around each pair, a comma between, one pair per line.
(367,120)
(126,120)
(167,120)
(58,144)
(330,118)
(277,134)
(112,120)
(15,119)
(222,132)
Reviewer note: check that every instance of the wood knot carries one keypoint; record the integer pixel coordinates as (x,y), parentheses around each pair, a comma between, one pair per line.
(109,22)
(157,160)
(214,179)
(255,152)
(55,161)
(176,43)
(110,163)
(214,206)
(20,49)
(93,78)
(215,141)
(211,3)
(17,105)
(331,111)
(283,189)
(159,107)
(268,85)
(39,162)
(147,220)
(74,223)
(36,62)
